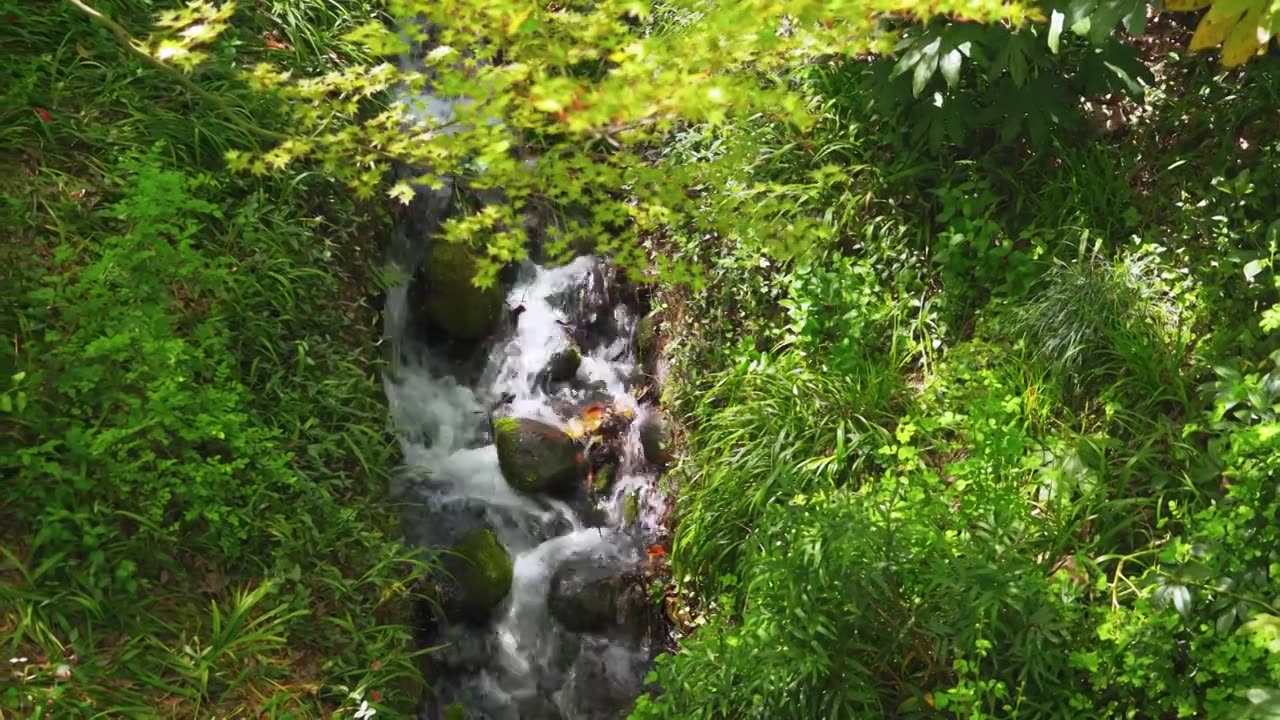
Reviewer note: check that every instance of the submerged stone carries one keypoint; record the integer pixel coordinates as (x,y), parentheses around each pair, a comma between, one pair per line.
(453,303)
(594,595)
(536,457)
(481,572)
(605,680)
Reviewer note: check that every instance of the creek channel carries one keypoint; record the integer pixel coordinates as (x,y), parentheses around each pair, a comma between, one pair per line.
(525,457)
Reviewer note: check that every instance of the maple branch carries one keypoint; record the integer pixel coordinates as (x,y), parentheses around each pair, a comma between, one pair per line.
(126,39)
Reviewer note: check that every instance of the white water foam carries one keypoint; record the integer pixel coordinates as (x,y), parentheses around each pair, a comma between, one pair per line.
(442,428)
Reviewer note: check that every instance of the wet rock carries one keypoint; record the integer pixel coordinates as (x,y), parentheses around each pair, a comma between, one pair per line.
(440,520)
(481,573)
(563,365)
(595,595)
(604,478)
(536,457)
(604,681)
(647,340)
(597,392)
(462,650)
(655,438)
(453,303)
(590,309)
(540,708)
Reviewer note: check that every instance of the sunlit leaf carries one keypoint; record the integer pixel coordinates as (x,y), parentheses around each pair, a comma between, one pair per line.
(401,191)
(1055,29)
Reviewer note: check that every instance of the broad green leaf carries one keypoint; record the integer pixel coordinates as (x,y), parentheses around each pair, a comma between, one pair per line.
(950,67)
(1080,16)
(1055,29)
(1245,39)
(1218,22)
(1130,83)
(1017,65)
(926,67)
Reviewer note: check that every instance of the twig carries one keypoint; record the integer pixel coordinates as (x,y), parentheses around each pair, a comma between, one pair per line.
(126,39)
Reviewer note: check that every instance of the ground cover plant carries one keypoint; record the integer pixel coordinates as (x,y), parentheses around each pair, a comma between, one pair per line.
(194,456)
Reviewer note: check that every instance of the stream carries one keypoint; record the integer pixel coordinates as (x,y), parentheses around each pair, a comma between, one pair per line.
(574,635)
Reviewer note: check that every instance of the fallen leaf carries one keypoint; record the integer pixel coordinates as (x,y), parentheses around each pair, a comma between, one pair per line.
(273,42)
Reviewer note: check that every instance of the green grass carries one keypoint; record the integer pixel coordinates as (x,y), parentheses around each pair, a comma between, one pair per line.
(769,432)
(1004,443)
(193,421)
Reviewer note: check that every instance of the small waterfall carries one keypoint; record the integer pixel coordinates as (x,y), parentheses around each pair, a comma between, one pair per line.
(524,662)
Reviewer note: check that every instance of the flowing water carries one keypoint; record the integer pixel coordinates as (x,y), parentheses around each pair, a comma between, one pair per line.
(524,663)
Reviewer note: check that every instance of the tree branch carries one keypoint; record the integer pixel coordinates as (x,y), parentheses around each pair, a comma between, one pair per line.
(126,39)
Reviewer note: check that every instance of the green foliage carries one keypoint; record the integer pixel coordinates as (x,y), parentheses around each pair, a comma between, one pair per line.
(938,462)
(586,89)
(193,427)
(808,429)
(1242,27)
(963,79)
(1065,507)
(1095,327)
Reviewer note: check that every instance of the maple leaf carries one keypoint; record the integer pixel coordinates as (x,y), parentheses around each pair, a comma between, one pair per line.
(401,191)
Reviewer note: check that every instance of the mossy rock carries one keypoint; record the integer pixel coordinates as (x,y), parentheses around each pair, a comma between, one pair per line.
(655,438)
(453,302)
(631,509)
(563,365)
(481,569)
(647,336)
(536,457)
(604,478)
(454,712)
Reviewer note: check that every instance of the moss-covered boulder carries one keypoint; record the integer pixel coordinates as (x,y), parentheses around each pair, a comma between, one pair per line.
(453,303)
(631,509)
(647,338)
(655,438)
(536,457)
(481,574)
(604,478)
(563,365)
